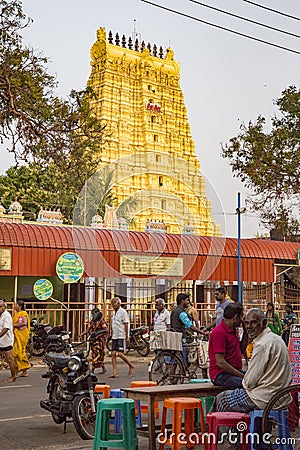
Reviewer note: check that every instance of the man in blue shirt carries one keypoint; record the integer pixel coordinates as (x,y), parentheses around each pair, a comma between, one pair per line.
(223,300)
(182,322)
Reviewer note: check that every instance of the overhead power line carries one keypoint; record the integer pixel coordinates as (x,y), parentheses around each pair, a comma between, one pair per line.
(271,9)
(245,19)
(221,28)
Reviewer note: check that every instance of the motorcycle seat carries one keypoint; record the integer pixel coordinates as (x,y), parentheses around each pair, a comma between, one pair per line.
(57,330)
(52,338)
(59,361)
(138,330)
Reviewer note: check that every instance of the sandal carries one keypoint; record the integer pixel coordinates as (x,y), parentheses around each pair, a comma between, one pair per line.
(10,380)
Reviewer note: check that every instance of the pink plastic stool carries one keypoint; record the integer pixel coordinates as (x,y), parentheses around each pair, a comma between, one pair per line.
(229,419)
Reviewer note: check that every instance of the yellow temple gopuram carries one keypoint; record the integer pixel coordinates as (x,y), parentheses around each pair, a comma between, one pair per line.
(149,144)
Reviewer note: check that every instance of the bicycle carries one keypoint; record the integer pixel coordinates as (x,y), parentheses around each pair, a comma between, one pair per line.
(286,431)
(170,367)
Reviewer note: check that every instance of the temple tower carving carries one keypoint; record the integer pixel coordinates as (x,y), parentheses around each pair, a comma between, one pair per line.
(149,144)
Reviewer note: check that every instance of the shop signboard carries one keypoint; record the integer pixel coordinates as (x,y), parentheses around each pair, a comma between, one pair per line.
(69,267)
(43,289)
(294,352)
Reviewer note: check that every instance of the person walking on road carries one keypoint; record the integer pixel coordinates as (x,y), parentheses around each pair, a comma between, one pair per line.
(21,326)
(97,343)
(120,336)
(7,340)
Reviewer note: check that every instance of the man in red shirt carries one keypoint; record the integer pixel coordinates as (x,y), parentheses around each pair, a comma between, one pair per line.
(225,349)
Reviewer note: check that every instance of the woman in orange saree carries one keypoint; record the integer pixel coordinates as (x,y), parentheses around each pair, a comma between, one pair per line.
(21,333)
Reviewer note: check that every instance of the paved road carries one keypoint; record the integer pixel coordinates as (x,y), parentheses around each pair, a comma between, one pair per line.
(25,426)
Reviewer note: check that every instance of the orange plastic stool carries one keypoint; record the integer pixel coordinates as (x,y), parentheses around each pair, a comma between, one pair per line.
(104,389)
(229,419)
(189,438)
(144,408)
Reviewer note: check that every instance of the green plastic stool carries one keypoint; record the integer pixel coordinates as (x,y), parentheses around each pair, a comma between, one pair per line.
(103,437)
(207,404)
(206,401)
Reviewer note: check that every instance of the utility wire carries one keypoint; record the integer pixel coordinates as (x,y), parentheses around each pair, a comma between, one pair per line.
(245,19)
(270,9)
(221,28)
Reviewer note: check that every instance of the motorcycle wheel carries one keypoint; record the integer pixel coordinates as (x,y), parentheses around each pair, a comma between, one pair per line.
(109,345)
(29,350)
(58,419)
(83,417)
(37,349)
(142,347)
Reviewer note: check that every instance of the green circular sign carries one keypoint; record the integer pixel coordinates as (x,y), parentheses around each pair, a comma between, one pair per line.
(69,267)
(43,289)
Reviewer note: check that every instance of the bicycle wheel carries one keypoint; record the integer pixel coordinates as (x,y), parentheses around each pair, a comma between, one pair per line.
(166,368)
(282,428)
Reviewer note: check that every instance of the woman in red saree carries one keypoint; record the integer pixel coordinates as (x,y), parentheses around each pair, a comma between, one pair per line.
(98,343)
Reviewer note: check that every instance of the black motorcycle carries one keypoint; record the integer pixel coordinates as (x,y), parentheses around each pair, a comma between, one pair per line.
(41,335)
(71,390)
(139,341)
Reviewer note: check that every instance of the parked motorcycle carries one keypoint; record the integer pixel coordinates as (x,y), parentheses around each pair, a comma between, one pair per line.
(43,335)
(139,341)
(71,390)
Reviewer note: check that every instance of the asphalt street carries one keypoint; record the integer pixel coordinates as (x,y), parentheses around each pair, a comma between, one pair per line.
(25,426)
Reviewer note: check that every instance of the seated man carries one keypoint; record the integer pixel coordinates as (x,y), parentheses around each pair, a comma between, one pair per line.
(268,372)
(225,349)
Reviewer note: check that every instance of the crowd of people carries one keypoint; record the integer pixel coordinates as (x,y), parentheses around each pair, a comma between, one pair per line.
(226,346)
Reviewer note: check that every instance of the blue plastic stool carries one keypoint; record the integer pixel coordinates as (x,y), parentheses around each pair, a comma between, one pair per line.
(281,417)
(103,438)
(116,420)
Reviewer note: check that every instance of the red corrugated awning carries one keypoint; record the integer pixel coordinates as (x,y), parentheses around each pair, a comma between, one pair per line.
(36,248)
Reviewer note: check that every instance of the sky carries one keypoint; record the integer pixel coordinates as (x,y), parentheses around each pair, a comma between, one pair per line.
(226,80)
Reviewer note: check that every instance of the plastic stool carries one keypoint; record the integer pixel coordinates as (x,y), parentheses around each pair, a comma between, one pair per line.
(143,409)
(206,401)
(227,419)
(207,404)
(104,389)
(103,438)
(116,419)
(117,393)
(178,405)
(281,417)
